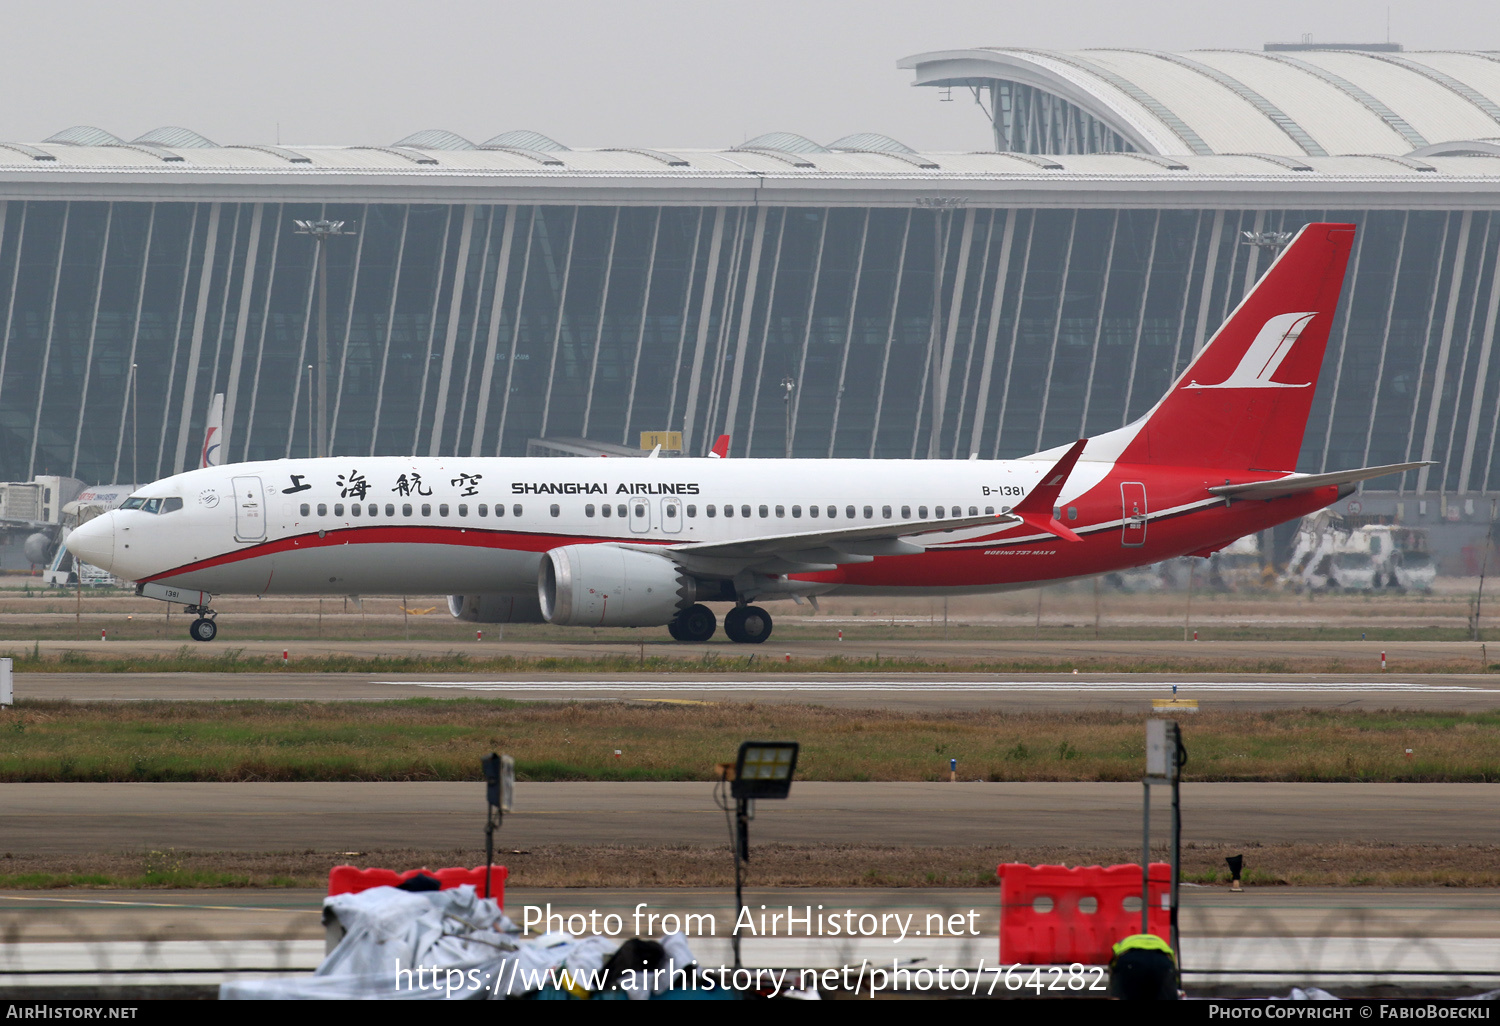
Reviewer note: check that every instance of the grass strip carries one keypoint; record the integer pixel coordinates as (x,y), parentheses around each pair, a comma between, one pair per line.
(441,739)
(671,659)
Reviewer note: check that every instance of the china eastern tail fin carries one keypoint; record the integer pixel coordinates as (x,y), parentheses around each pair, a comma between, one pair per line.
(213,434)
(1242,403)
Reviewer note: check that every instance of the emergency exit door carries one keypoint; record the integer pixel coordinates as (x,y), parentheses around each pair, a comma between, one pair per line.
(1133,501)
(249,510)
(671,516)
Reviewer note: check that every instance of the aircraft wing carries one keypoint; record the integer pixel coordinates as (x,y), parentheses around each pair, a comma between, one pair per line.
(888,534)
(1294,483)
(811,551)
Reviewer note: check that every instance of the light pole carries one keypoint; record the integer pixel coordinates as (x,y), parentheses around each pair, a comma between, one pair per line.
(312,445)
(788,386)
(763,769)
(135,433)
(321,231)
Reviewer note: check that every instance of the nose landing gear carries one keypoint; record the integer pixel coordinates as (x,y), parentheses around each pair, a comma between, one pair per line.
(203,628)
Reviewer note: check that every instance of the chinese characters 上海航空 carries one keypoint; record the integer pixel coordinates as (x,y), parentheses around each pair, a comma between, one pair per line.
(468,484)
(411,484)
(354,485)
(298,485)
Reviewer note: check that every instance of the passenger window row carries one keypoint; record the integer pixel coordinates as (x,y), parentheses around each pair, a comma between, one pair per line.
(607,510)
(407,510)
(832,512)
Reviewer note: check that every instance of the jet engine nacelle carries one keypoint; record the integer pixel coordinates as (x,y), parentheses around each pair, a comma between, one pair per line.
(501,607)
(608,586)
(39,548)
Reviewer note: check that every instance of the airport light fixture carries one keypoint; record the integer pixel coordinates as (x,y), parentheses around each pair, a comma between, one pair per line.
(500,795)
(1267,240)
(321,231)
(763,769)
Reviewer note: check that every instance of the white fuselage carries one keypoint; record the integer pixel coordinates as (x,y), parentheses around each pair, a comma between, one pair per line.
(463,525)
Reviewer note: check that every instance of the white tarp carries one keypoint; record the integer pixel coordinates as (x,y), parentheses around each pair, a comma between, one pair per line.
(438,945)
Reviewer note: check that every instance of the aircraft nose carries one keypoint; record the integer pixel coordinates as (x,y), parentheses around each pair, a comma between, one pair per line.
(94,542)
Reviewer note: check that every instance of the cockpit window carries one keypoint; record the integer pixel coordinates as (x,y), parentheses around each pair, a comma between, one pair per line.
(157,505)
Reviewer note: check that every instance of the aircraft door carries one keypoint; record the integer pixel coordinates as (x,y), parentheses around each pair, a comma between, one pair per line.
(671,516)
(249,510)
(1133,501)
(640,514)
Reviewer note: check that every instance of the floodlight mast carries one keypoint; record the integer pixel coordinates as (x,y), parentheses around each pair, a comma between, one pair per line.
(321,230)
(763,769)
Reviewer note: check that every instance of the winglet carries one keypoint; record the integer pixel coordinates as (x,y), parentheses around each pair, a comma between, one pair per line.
(720,450)
(1035,510)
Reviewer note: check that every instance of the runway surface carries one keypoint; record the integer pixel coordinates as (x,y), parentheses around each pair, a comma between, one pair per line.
(914,692)
(247,817)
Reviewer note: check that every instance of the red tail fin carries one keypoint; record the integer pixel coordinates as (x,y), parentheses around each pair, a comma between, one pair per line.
(721,448)
(1242,404)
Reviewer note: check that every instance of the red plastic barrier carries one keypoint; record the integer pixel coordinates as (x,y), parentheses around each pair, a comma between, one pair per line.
(352,880)
(1045,916)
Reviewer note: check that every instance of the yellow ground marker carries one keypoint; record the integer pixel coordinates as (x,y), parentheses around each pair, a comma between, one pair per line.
(1183,705)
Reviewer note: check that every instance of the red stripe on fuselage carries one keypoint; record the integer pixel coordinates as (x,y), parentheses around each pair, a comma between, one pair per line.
(479,538)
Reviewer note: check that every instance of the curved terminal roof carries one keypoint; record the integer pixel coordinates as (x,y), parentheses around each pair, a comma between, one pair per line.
(431,166)
(175,138)
(436,139)
(525,139)
(1309,103)
(784,142)
(84,135)
(870,141)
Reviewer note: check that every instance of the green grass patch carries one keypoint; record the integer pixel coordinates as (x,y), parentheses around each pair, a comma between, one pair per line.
(671,658)
(431,739)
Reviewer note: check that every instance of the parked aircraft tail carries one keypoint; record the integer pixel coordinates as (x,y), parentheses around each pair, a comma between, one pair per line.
(213,434)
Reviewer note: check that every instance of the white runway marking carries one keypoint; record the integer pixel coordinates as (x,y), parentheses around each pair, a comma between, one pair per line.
(739,687)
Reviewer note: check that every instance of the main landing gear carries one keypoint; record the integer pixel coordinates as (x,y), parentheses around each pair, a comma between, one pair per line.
(695,623)
(748,625)
(203,628)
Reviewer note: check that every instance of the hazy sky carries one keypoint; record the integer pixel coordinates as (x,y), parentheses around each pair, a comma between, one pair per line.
(591,73)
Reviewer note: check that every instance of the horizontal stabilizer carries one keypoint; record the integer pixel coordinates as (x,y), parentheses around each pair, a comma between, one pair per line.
(1294,483)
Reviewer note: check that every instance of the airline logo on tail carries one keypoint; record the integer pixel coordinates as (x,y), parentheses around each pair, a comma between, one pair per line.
(1265,355)
(210,457)
(213,434)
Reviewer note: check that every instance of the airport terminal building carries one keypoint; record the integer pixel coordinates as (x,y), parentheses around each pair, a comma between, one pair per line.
(852,298)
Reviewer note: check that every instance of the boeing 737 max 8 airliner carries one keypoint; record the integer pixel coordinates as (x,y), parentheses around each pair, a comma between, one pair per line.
(647,542)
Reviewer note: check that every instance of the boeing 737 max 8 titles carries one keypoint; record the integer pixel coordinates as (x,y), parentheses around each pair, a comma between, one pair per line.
(647,542)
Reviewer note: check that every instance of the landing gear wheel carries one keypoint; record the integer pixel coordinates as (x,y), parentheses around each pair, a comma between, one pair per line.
(695,623)
(747,625)
(203,629)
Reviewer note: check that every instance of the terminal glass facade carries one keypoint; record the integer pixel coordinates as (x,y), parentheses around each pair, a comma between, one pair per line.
(904,332)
